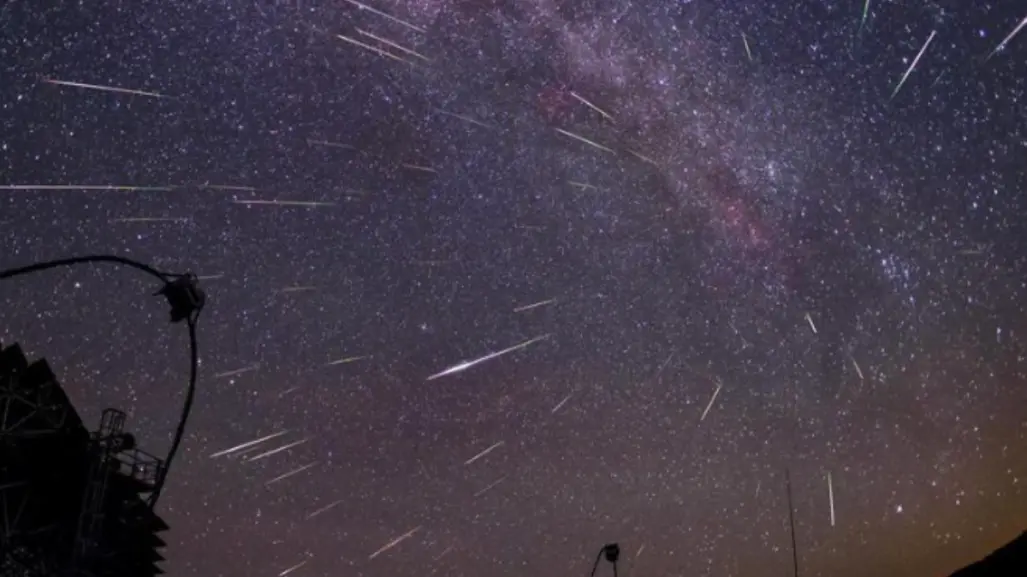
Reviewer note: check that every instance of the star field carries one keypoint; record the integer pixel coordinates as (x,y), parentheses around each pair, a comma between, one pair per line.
(523,277)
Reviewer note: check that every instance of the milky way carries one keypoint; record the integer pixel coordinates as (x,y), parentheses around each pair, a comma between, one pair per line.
(743,240)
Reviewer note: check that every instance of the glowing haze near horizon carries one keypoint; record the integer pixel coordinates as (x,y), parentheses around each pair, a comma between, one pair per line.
(761,225)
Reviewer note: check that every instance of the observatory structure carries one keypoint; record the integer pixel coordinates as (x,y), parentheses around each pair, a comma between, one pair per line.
(72,501)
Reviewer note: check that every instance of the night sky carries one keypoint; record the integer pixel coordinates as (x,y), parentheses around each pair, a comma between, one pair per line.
(753,251)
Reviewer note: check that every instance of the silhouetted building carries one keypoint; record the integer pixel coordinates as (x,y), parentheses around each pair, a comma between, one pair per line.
(71,501)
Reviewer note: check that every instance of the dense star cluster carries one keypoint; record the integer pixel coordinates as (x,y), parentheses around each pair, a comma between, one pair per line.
(496,283)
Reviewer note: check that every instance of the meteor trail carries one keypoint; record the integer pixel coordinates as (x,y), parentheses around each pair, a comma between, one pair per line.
(111,187)
(377,51)
(582,185)
(585,140)
(148,219)
(309,204)
(710,404)
(465,119)
(394,542)
(388,16)
(490,487)
(297,289)
(521,309)
(388,42)
(812,326)
(325,509)
(227,374)
(294,567)
(830,496)
(560,405)
(468,364)
(1001,45)
(295,471)
(483,453)
(278,450)
(103,88)
(746,42)
(916,60)
(329,144)
(248,444)
(419,168)
(601,112)
(346,360)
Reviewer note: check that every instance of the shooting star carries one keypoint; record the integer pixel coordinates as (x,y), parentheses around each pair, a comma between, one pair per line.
(812,326)
(863,19)
(278,450)
(443,554)
(110,187)
(560,405)
(859,371)
(325,509)
(227,374)
(746,42)
(913,65)
(296,289)
(374,49)
(643,157)
(490,487)
(419,168)
(388,42)
(585,140)
(295,471)
(227,187)
(521,309)
(211,277)
(830,495)
(248,444)
(483,453)
(394,542)
(311,142)
(468,364)
(308,204)
(347,360)
(582,185)
(663,366)
(601,112)
(141,219)
(387,16)
(294,567)
(1005,42)
(466,119)
(712,400)
(104,88)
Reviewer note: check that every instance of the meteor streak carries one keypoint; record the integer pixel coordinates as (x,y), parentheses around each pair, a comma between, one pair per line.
(712,400)
(278,450)
(585,140)
(1001,45)
(534,305)
(483,453)
(601,112)
(388,16)
(394,542)
(468,364)
(916,60)
(111,187)
(309,204)
(103,88)
(392,44)
(248,444)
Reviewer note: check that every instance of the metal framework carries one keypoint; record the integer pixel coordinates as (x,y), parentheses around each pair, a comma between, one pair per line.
(71,502)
